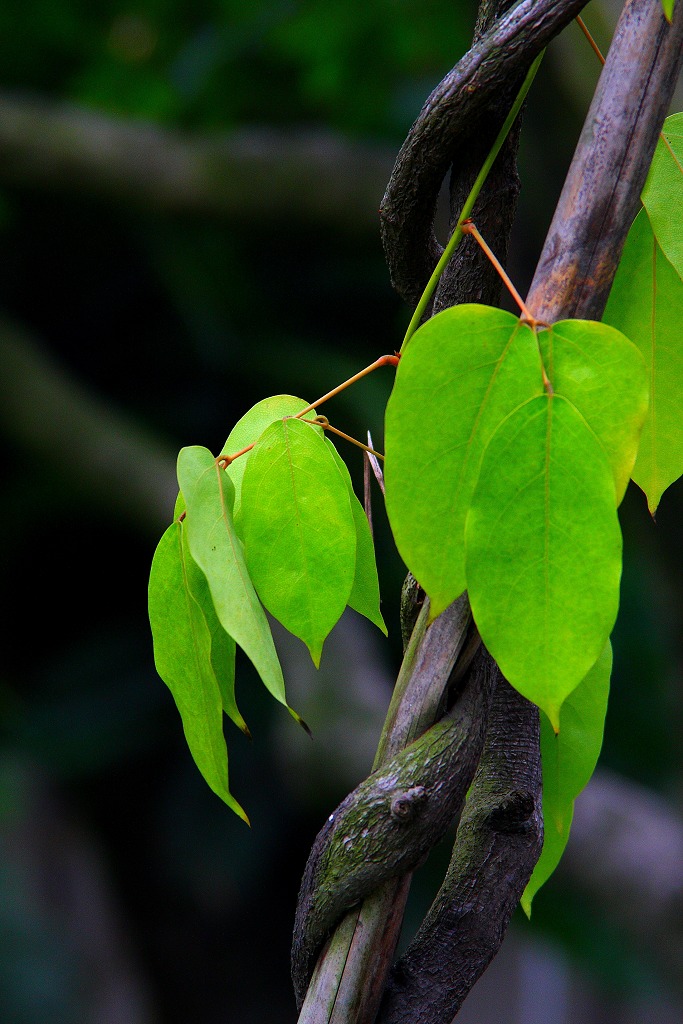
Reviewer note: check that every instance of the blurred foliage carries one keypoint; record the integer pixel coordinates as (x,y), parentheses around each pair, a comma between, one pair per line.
(180,324)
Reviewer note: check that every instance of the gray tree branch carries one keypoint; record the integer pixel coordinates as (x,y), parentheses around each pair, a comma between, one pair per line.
(250,176)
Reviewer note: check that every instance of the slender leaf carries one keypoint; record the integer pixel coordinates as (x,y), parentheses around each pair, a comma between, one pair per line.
(605,378)
(543,550)
(364,597)
(668,8)
(222,645)
(463,372)
(249,428)
(662,195)
(182,654)
(646,303)
(299,532)
(217,550)
(569,759)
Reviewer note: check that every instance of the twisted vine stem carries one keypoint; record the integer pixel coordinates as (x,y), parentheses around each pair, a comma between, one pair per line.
(500,833)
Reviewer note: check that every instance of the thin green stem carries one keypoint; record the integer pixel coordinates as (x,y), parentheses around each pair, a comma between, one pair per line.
(456,237)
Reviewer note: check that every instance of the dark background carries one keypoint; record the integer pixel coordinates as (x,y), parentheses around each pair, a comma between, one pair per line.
(135,321)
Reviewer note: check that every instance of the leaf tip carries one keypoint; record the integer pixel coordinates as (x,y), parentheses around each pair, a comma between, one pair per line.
(316,651)
(525,903)
(299,720)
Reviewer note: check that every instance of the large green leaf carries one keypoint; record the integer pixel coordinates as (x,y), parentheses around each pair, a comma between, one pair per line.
(568,759)
(543,550)
(605,377)
(662,195)
(249,428)
(299,532)
(182,654)
(217,550)
(364,597)
(646,303)
(463,372)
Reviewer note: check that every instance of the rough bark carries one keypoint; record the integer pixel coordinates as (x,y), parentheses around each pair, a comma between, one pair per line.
(464,113)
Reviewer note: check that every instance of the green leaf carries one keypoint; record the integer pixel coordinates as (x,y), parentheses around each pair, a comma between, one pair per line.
(217,550)
(463,372)
(646,303)
(364,597)
(543,550)
(605,378)
(222,646)
(182,654)
(662,195)
(299,532)
(668,8)
(569,759)
(249,428)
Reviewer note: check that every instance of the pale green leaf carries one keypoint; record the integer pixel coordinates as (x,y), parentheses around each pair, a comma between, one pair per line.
(364,597)
(605,377)
(568,760)
(646,303)
(217,550)
(182,654)
(463,372)
(543,550)
(662,195)
(249,428)
(299,532)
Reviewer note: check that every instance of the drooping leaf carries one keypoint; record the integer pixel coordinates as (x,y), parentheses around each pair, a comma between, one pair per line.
(463,372)
(605,378)
(222,645)
(646,303)
(668,8)
(364,597)
(182,654)
(217,550)
(249,428)
(543,550)
(568,759)
(299,532)
(662,195)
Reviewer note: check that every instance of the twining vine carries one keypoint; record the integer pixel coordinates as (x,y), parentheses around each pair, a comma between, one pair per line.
(509,444)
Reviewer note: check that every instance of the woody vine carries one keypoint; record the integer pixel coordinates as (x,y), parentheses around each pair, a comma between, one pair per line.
(509,444)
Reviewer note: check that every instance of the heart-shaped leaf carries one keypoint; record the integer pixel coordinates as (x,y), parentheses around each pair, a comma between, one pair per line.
(463,372)
(543,550)
(646,303)
(299,531)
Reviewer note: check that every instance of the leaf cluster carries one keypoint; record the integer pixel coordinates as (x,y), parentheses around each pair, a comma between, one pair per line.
(278,527)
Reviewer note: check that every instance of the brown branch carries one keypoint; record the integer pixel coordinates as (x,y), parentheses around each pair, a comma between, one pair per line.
(497,844)
(465,110)
(601,193)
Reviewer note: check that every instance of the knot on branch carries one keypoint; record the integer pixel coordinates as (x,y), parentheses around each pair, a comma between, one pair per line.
(404,806)
(512,813)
